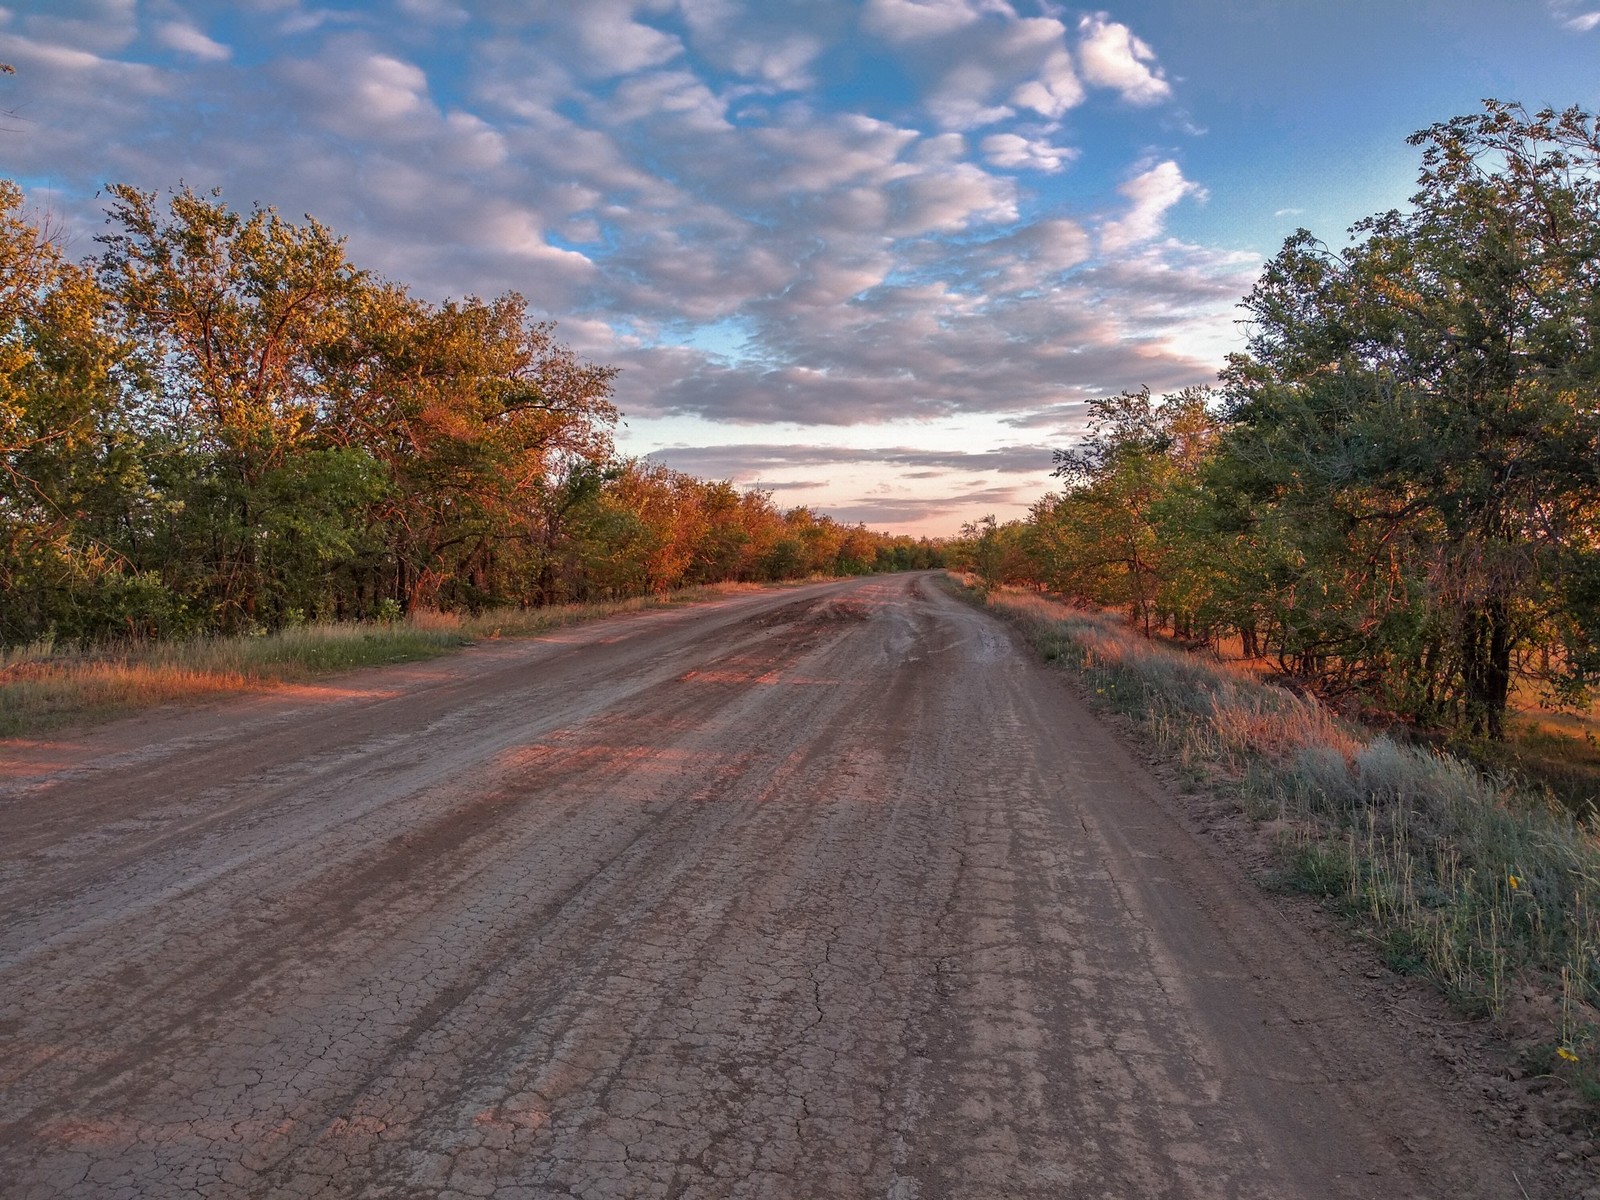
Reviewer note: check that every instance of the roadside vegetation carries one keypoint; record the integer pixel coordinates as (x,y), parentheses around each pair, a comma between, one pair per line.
(1329,583)
(42,686)
(1487,889)
(1392,498)
(219,425)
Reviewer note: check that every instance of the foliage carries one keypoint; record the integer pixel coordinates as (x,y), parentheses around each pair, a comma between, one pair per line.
(1424,409)
(63,448)
(223,425)
(995,553)
(1395,492)
(1103,539)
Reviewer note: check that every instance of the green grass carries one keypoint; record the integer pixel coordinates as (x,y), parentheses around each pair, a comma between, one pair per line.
(1454,872)
(42,687)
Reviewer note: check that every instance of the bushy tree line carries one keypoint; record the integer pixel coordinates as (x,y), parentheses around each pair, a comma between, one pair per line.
(1394,491)
(220,423)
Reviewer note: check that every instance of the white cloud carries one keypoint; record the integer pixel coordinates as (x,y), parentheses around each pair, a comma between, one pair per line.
(914,20)
(950,199)
(678,97)
(49,55)
(784,65)
(57,62)
(1150,195)
(827,281)
(821,153)
(1567,14)
(885,268)
(1055,90)
(472,143)
(1112,57)
(388,89)
(960,99)
(948,147)
(186,39)
(744,462)
(362,93)
(516,231)
(1034,254)
(1013,152)
(754,42)
(1177,302)
(96,26)
(613,43)
(982,74)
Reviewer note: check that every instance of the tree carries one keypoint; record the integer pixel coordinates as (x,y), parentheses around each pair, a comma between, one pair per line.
(1415,422)
(233,315)
(478,415)
(993,551)
(1102,540)
(63,453)
(225,425)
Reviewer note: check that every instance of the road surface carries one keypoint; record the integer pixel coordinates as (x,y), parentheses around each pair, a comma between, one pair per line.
(829,892)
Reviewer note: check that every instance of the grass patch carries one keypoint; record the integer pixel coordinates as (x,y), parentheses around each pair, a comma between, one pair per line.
(1319,868)
(43,686)
(1490,889)
(1548,758)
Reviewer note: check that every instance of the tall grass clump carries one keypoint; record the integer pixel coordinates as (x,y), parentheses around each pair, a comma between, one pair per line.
(1488,889)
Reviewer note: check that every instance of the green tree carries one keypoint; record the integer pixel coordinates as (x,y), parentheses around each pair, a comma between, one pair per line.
(1107,539)
(232,315)
(994,551)
(64,454)
(1414,424)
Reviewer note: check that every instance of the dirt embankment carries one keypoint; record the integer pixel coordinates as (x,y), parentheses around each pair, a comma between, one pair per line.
(829,893)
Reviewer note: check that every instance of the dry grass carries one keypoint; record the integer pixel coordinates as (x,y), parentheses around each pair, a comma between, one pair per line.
(42,686)
(1491,891)
(1550,749)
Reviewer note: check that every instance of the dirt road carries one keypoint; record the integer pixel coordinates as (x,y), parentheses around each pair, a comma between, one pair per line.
(829,892)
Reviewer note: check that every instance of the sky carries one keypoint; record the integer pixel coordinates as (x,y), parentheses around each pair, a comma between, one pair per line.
(872,256)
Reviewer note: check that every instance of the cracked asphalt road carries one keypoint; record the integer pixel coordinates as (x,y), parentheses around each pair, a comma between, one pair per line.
(830,892)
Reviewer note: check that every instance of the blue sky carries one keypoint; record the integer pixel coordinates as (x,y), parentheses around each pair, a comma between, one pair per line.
(870,254)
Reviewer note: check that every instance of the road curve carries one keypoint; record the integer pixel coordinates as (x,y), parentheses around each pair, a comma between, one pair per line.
(830,892)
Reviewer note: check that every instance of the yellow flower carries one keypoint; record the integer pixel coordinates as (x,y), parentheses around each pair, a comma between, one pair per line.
(1567,1053)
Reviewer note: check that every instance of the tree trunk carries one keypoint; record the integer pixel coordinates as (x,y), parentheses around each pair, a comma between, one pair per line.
(1486,670)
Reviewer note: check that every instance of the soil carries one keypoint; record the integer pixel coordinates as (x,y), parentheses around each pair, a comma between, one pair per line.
(824,893)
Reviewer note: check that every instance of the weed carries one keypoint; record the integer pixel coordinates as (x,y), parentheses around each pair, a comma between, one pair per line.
(1319,868)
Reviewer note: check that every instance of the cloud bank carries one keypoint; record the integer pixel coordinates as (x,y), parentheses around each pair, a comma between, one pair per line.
(818,216)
